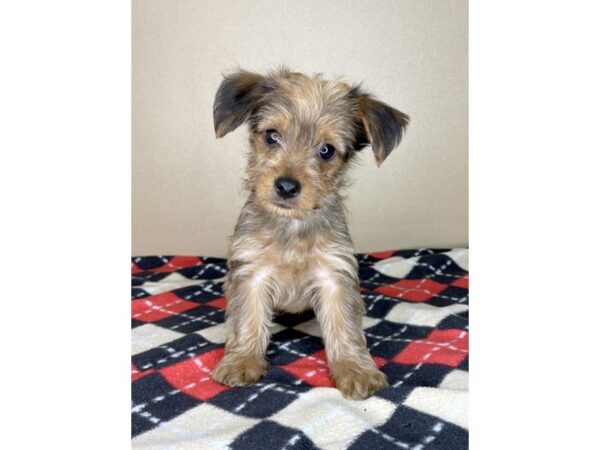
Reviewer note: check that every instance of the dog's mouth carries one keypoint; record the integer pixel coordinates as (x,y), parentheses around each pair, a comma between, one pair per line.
(282,204)
(284,208)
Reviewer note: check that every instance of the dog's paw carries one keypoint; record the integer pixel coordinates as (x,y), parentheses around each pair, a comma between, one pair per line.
(237,371)
(358,385)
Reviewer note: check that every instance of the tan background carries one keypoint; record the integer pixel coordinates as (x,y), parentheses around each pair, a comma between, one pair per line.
(411,54)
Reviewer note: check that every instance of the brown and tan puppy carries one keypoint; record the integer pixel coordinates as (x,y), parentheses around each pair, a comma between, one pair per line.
(291,250)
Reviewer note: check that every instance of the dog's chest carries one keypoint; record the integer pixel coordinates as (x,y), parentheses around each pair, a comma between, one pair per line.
(294,260)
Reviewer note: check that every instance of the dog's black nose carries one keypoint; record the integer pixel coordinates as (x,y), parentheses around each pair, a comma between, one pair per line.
(287,187)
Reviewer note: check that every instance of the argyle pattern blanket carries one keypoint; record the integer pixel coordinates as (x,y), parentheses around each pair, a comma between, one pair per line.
(416,327)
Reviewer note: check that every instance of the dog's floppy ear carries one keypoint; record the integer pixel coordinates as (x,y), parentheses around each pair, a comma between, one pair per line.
(236,98)
(379,125)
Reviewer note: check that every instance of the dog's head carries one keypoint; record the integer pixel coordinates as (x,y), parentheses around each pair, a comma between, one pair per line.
(304,132)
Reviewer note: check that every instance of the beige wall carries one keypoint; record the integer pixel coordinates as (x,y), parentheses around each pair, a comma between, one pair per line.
(412,54)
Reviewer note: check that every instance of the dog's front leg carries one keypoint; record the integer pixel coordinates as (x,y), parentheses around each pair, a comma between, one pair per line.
(339,311)
(249,313)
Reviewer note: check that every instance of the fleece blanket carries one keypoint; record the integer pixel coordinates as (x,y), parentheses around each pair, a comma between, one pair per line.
(416,327)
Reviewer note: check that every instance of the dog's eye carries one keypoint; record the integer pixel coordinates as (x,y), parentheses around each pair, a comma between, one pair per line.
(272,138)
(326,152)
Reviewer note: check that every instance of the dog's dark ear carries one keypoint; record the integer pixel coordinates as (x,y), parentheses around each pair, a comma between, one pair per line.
(237,96)
(380,125)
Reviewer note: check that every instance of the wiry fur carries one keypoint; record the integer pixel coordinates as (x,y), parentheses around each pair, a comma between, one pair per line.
(295,254)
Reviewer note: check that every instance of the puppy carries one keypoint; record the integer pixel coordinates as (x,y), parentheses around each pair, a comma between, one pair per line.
(291,250)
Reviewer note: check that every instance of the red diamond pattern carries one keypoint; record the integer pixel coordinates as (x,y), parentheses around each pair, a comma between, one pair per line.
(382,255)
(156,307)
(448,347)
(312,369)
(413,290)
(462,282)
(179,262)
(220,303)
(192,376)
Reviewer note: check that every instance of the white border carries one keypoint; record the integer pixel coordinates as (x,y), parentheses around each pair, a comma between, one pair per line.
(534,199)
(65,183)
